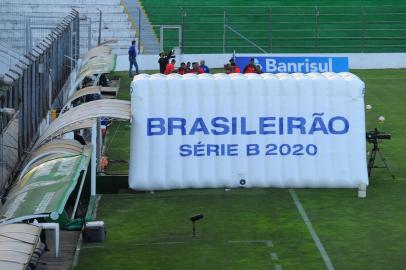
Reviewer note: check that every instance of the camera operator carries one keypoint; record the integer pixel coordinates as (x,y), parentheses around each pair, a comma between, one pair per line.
(164,60)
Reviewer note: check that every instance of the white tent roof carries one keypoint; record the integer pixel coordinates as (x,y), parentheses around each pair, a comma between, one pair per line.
(83,115)
(17,244)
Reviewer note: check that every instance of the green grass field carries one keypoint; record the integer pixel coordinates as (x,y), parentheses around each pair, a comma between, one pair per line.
(262,228)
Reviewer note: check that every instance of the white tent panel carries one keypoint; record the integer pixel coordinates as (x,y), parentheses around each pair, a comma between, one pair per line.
(283,130)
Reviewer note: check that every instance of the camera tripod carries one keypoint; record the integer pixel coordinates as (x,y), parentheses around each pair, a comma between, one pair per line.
(371,162)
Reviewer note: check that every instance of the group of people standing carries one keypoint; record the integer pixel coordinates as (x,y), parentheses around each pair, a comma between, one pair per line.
(166,67)
(232,67)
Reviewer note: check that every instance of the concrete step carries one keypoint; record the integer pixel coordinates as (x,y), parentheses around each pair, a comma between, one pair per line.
(147,35)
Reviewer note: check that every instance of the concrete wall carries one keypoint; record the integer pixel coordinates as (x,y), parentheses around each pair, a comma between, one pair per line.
(356,60)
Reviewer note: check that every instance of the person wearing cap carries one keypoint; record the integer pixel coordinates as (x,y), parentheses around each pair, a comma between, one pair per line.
(250,68)
(170,67)
(204,67)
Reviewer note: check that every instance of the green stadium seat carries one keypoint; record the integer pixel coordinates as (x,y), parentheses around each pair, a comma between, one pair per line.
(283,26)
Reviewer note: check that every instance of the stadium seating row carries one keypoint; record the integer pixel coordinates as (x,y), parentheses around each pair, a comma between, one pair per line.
(115,25)
(283,27)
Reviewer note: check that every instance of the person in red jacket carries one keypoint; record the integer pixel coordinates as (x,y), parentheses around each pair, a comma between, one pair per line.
(235,68)
(196,69)
(250,68)
(182,69)
(170,67)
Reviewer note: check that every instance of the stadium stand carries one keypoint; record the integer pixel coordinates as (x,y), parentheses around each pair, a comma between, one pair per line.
(283,26)
(15,14)
(8,57)
(138,18)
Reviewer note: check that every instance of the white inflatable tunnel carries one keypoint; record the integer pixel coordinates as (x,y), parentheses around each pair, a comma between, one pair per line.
(283,130)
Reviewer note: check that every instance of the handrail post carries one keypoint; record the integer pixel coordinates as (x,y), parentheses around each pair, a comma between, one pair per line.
(224,31)
(317,14)
(139,29)
(93,160)
(100,26)
(362,29)
(182,14)
(270,30)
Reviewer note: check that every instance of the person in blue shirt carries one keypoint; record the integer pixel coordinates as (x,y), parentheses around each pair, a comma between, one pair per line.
(132,57)
(204,67)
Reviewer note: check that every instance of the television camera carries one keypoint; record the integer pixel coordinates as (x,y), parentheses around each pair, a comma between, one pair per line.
(374,137)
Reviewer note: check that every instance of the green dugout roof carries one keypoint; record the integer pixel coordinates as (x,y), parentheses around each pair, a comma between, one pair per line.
(46,187)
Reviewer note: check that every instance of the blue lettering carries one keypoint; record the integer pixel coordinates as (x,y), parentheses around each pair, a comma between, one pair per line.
(263,125)
(185,150)
(232,149)
(222,149)
(217,123)
(199,126)
(244,130)
(213,148)
(252,149)
(233,125)
(318,124)
(280,125)
(300,124)
(343,120)
(198,149)
(159,124)
(172,125)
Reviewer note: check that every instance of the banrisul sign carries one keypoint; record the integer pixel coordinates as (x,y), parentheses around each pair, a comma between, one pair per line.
(247,130)
(272,64)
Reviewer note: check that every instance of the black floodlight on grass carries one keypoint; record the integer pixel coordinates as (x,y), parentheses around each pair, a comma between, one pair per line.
(194,219)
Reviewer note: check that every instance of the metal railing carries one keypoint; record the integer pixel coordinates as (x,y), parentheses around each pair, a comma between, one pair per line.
(32,86)
(255,29)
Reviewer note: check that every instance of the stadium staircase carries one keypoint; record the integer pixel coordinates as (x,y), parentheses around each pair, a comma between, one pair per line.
(291,26)
(115,24)
(136,14)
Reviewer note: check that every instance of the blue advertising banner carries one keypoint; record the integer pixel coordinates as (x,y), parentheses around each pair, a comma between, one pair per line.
(272,64)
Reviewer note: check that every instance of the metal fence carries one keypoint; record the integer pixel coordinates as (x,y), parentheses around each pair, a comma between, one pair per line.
(17,25)
(32,85)
(281,29)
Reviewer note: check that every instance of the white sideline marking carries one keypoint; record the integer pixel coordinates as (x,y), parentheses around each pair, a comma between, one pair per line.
(278,267)
(269,243)
(274,256)
(313,233)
